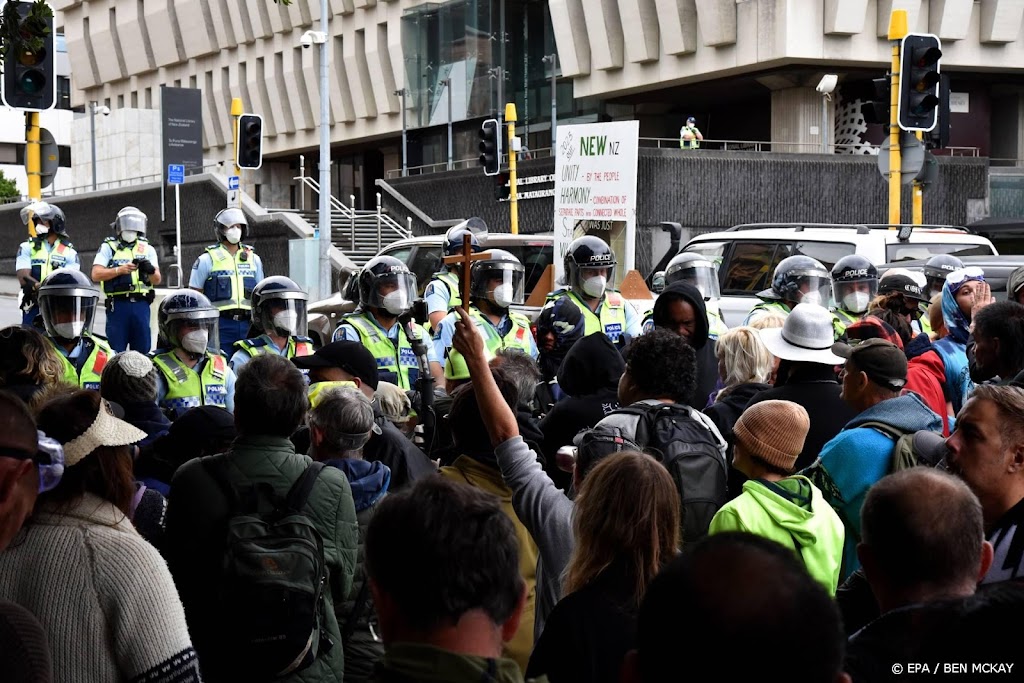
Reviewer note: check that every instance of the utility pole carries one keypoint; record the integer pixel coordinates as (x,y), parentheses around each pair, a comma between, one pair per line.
(451,153)
(325,160)
(917,214)
(897,30)
(33,162)
(553,60)
(405,136)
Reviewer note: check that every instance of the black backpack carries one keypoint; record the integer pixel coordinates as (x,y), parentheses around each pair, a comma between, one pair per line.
(271,590)
(691,448)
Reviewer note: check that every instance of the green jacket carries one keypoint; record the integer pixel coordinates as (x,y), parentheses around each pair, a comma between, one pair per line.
(792,512)
(196,526)
(409,663)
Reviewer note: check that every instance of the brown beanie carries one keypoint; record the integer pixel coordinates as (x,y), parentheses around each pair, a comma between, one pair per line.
(773,431)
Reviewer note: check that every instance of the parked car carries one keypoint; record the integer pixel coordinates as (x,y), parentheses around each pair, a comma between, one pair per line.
(997,269)
(423,257)
(747,254)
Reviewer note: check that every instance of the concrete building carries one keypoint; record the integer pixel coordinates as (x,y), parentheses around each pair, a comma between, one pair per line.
(746,69)
(57,120)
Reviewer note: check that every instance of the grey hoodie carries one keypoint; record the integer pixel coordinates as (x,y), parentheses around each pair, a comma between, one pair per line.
(546,513)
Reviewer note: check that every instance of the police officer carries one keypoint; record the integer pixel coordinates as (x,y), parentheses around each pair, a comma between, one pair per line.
(495,284)
(443,292)
(589,267)
(386,291)
(193,371)
(796,280)
(854,285)
(279,313)
(126,264)
(226,273)
(935,271)
(701,273)
(67,305)
(39,256)
(689,135)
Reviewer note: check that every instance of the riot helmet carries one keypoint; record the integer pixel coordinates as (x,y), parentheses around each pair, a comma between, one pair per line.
(231,225)
(187,320)
(499,279)
(279,306)
(854,283)
(800,279)
(67,304)
(696,269)
(47,214)
(936,270)
(129,224)
(453,239)
(589,266)
(386,283)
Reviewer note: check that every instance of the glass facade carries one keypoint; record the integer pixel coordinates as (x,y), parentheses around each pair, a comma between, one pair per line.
(455,53)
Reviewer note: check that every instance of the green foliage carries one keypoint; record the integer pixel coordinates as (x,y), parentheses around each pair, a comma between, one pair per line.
(8,188)
(27,35)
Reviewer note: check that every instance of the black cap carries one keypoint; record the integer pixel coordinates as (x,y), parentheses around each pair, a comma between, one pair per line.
(881,360)
(898,282)
(350,356)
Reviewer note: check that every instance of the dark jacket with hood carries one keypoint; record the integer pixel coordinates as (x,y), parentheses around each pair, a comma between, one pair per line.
(724,412)
(707,362)
(815,387)
(589,374)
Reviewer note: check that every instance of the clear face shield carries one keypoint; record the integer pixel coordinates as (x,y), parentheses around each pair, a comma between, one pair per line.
(196,334)
(854,295)
(132,222)
(68,316)
(284,317)
(503,284)
(703,276)
(814,289)
(394,293)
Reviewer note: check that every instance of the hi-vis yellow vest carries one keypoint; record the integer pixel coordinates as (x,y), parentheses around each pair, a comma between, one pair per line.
(231,279)
(188,389)
(126,253)
(86,374)
(612,320)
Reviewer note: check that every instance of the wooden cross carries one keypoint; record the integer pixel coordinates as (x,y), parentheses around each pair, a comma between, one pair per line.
(466,259)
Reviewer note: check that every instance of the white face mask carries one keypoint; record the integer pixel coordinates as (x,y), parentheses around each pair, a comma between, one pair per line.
(69,330)
(42,230)
(395,302)
(233,235)
(287,321)
(129,236)
(856,302)
(503,295)
(595,286)
(811,297)
(196,341)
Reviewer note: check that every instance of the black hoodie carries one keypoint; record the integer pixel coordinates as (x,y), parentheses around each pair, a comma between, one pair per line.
(707,362)
(589,374)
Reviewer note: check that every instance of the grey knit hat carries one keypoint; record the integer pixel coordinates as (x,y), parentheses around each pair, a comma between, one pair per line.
(129,377)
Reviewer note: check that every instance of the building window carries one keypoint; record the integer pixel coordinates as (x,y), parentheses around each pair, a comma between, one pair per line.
(135,99)
(63,92)
(60,43)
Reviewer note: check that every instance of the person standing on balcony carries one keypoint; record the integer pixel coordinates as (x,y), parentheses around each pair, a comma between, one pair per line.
(690,136)
(226,273)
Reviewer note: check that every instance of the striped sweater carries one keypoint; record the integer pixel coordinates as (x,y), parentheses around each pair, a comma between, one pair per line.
(103,595)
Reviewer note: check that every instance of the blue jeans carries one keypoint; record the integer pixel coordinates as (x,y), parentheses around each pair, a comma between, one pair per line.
(232,331)
(128,325)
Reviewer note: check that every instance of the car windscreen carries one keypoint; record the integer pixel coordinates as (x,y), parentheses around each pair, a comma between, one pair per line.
(908,251)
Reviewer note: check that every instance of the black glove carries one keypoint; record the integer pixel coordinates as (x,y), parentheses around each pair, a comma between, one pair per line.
(28,288)
(145,267)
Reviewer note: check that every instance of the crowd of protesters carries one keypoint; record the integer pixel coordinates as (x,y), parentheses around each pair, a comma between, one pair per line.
(838,496)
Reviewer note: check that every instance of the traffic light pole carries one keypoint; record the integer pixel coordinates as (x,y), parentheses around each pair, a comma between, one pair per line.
(917,217)
(513,203)
(33,165)
(897,29)
(236,113)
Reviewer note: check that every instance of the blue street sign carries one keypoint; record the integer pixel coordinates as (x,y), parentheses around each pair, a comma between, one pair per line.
(232,182)
(175,174)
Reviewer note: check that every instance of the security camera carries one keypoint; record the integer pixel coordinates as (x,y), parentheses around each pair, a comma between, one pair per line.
(103,110)
(827,84)
(306,39)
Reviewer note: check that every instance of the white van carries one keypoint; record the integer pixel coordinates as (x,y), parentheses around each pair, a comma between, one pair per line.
(747,254)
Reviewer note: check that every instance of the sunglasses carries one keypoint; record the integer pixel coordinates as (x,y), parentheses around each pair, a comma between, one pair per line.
(48,458)
(964,274)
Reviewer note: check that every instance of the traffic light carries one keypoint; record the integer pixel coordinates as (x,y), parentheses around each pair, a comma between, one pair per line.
(919,81)
(249,150)
(876,110)
(490,146)
(501,187)
(939,137)
(29,83)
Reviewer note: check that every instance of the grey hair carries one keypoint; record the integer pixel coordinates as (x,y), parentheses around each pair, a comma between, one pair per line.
(524,372)
(345,418)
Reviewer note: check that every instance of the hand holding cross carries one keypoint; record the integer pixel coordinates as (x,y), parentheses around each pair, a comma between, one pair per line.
(466,259)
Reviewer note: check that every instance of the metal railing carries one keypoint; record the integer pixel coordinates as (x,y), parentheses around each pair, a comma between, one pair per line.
(381,219)
(128,182)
